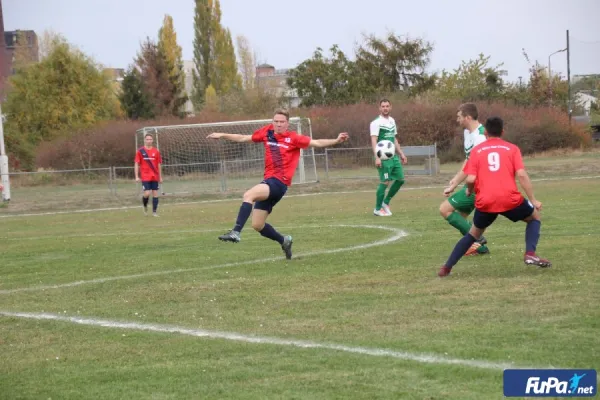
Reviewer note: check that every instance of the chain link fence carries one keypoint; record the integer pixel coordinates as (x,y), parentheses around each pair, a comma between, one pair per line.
(98,187)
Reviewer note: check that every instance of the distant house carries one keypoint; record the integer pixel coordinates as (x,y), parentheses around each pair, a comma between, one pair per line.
(275,81)
(585,100)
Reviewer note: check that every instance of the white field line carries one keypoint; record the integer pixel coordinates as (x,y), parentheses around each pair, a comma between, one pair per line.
(397,235)
(265,340)
(237,200)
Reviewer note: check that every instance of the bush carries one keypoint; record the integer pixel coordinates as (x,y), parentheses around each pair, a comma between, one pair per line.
(107,144)
(422,123)
(419,123)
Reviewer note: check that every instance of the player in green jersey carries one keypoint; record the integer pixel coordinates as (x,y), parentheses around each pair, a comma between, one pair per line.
(390,171)
(458,205)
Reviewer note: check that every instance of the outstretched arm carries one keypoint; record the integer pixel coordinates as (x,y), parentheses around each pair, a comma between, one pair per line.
(342,137)
(233,137)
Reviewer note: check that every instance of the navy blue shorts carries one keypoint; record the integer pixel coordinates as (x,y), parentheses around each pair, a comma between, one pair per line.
(276,191)
(150,185)
(483,219)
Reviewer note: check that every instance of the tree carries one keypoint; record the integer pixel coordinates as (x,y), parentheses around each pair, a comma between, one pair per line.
(134,98)
(544,89)
(171,51)
(329,81)
(214,54)
(247,62)
(154,70)
(224,75)
(62,93)
(211,100)
(207,19)
(395,64)
(473,80)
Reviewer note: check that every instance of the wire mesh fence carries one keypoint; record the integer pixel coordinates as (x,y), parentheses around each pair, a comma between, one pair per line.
(85,188)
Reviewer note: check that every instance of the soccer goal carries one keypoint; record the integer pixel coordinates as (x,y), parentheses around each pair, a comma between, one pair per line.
(194,164)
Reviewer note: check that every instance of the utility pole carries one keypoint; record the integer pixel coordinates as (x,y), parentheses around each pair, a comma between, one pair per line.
(569,77)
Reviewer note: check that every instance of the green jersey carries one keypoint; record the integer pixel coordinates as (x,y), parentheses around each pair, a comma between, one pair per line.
(384,128)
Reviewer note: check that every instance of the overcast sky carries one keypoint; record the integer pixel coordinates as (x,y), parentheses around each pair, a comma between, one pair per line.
(285,32)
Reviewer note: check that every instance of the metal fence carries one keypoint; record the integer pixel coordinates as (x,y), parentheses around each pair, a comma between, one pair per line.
(99,185)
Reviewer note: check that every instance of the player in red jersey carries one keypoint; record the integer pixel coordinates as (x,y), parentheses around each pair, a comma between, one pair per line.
(491,172)
(282,152)
(149,163)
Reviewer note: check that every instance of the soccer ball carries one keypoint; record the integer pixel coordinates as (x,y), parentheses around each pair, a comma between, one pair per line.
(385,150)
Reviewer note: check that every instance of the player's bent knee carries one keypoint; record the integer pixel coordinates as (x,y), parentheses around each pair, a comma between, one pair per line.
(446,209)
(258,225)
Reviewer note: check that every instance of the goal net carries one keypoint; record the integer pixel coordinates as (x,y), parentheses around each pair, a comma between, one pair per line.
(194,164)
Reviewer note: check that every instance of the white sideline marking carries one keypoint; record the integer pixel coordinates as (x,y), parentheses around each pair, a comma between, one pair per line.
(237,200)
(398,234)
(238,337)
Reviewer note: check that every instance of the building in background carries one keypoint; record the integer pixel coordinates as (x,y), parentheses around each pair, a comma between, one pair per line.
(9,42)
(275,81)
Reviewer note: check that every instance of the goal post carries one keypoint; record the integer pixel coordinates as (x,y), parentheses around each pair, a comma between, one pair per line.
(194,164)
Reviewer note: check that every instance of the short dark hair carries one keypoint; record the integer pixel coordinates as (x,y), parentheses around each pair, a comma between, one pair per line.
(494,126)
(148,134)
(384,100)
(469,110)
(284,112)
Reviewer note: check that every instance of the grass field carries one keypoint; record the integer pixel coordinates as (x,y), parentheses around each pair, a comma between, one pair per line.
(115,305)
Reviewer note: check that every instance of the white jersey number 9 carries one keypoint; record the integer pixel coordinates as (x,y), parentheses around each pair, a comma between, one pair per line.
(494,161)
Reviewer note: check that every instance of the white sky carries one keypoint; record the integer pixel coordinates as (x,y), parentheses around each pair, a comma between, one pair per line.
(284,32)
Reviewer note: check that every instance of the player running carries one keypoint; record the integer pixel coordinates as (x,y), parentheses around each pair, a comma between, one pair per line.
(149,162)
(491,172)
(459,205)
(282,152)
(384,128)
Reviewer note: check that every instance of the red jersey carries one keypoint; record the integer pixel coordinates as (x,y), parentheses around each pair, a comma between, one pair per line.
(282,152)
(146,171)
(495,163)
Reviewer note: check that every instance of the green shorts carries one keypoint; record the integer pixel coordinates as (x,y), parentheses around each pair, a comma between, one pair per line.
(461,202)
(391,170)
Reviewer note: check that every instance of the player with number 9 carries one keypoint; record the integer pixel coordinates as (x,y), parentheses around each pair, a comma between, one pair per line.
(459,205)
(491,172)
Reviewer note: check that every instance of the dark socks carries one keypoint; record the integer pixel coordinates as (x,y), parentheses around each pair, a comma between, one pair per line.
(145,201)
(243,215)
(154,204)
(269,232)
(532,236)
(460,249)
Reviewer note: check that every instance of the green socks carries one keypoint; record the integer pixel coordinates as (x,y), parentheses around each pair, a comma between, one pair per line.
(457,221)
(380,195)
(393,190)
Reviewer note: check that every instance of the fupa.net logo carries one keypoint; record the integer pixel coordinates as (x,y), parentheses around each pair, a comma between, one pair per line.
(550,383)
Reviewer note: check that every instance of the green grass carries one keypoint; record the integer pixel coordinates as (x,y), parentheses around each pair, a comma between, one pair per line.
(491,308)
